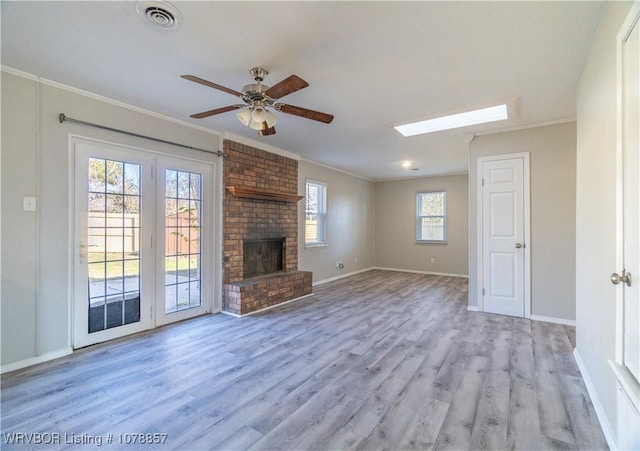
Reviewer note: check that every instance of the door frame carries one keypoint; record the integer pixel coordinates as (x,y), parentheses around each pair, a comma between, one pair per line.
(214,303)
(527,226)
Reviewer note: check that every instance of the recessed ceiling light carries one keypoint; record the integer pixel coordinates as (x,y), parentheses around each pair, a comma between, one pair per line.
(481,116)
(406,164)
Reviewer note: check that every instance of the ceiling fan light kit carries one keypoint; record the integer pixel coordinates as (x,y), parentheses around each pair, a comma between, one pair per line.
(245,117)
(258,97)
(256,118)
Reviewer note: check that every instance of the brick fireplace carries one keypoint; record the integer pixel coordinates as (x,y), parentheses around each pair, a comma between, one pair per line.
(260,217)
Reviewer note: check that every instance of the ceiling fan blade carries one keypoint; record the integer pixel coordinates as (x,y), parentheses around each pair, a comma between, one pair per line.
(266,131)
(290,84)
(210,84)
(305,113)
(224,109)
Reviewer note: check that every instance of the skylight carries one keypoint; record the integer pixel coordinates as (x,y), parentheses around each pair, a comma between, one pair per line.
(481,116)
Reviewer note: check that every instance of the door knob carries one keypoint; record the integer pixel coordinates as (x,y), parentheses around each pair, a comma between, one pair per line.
(624,278)
(519,245)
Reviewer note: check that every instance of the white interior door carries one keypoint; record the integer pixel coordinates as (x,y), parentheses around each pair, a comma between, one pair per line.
(184,247)
(631,199)
(627,276)
(113,263)
(503,235)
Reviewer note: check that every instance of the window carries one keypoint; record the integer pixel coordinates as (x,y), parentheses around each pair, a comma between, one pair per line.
(316,214)
(431,214)
(481,116)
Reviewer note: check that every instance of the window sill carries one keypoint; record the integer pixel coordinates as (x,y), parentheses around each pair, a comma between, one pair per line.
(311,246)
(430,242)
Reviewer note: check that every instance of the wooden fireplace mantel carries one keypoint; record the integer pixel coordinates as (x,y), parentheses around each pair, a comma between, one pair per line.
(253,193)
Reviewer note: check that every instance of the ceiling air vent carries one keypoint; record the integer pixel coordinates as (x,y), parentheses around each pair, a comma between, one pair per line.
(158,13)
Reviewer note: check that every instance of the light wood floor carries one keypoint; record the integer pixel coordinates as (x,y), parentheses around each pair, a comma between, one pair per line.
(379,360)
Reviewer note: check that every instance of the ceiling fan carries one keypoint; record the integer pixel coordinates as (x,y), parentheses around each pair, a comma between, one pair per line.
(258,98)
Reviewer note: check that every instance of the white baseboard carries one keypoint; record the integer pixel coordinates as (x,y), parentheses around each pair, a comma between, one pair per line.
(35,360)
(267,308)
(465,276)
(235,315)
(551,319)
(546,319)
(595,400)
(341,276)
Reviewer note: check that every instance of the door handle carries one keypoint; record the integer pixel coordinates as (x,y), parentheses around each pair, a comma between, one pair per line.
(625,278)
(83,253)
(519,245)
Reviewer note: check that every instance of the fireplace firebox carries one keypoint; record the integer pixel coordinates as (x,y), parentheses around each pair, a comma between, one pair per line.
(263,256)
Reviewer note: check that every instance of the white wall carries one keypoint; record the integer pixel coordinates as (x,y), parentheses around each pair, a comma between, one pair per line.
(36,250)
(19,228)
(350,223)
(396,245)
(552,166)
(596,213)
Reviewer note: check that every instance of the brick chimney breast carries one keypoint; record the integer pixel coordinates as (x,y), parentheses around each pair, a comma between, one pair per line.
(251,219)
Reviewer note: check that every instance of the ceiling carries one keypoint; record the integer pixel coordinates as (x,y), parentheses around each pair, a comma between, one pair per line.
(371,64)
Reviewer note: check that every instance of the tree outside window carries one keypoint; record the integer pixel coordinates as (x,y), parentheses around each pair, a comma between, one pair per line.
(431,225)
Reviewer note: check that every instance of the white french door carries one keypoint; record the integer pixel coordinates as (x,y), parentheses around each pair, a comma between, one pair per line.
(142,240)
(504,246)
(183,251)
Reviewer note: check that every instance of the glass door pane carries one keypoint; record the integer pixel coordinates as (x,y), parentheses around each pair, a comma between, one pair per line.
(143,245)
(113,280)
(183,253)
(113,243)
(185,239)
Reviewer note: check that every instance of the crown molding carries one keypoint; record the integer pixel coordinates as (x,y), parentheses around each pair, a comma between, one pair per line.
(420,177)
(260,145)
(524,127)
(333,168)
(91,95)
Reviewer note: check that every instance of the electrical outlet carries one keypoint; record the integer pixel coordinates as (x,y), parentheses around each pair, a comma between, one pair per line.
(29,204)
(355,259)
(433,260)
